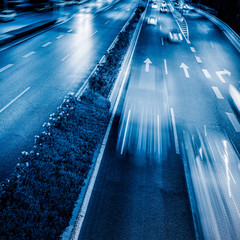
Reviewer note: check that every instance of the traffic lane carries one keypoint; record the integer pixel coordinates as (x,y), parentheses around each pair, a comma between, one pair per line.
(137,194)
(214,48)
(132,198)
(220,60)
(53,80)
(197,104)
(27,58)
(214,167)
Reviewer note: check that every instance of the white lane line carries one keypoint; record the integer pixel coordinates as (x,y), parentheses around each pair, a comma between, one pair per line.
(211,44)
(46,44)
(206,73)
(6,67)
(70,30)
(175,132)
(234,121)
(193,49)
(125,133)
(158,127)
(165,66)
(66,57)
(198,59)
(29,54)
(161,27)
(60,36)
(107,22)
(14,100)
(93,34)
(205,130)
(217,93)
(162,41)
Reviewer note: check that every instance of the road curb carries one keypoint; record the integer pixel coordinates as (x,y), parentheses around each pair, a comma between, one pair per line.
(228,31)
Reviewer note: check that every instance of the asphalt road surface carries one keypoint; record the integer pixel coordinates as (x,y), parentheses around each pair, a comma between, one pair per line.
(176,109)
(36,74)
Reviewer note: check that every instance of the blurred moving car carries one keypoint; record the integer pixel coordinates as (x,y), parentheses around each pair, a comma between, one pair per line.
(235,97)
(152,20)
(163,9)
(175,35)
(154,5)
(7,15)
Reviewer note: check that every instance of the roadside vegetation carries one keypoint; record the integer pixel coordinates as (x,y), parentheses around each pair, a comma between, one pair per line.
(37,201)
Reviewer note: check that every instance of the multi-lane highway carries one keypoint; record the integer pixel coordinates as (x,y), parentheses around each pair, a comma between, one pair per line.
(175,110)
(36,74)
(175,117)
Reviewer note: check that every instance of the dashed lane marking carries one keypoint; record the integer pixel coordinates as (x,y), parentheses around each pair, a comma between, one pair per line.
(165,66)
(234,121)
(93,34)
(107,22)
(70,30)
(60,36)
(198,59)
(29,54)
(6,67)
(217,93)
(162,41)
(175,132)
(125,133)
(46,44)
(211,44)
(193,49)
(206,73)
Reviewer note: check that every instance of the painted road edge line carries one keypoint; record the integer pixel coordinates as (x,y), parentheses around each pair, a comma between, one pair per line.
(175,132)
(14,100)
(6,67)
(217,92)
(165,66)
(234,121)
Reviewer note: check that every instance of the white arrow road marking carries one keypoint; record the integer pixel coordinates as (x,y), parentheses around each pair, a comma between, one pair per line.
(29,54)
(217,92)
(165,66)
(185,69)
(220,73)
(175,132)
(6,67)
(46,44)
(147,61)
(206,73)
(125,133)
(193,49)
(198,59)
(234,121)
(14,100)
